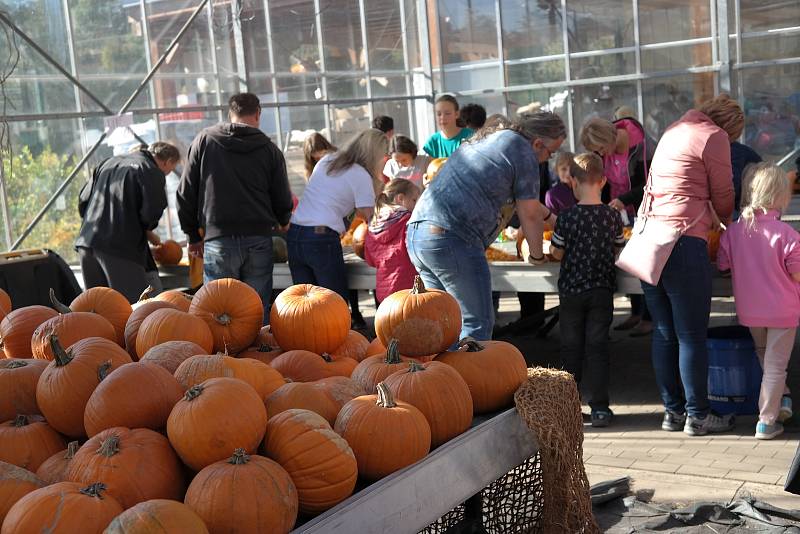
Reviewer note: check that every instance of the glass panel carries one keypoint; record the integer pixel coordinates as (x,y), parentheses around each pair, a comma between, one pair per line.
(45,23)
(770,47)
(599,24)
(540,72)
(346,87)
(255,39)
(397,110)
(412,34)
(772,108)
(341,35)
(347,121)
(676,57)
(760,15)
(661,21)
(299,88)
(296,124)
(468,31)
(389,86)
(384,34)
(492,103)
(550,99)
(294,36)
(665,100)
(600,101)
(531,29)
(484,75)
(601,66)
(36,87)
(222,26)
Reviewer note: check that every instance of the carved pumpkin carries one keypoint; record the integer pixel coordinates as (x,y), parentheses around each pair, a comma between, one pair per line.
(233,312)
(27,441)
(54,469)
(214,418)
(119,399)
(355,347)
(375,369)
(439,392)
(107,303)
(264,353)
(135,465)
(311,318)
(263,378)
(305,366)
(179,299)
(493,370)
(171,354)
(169,252)
(69,380)
(157,516)
(16,329)
(18,379)
(265,496)
(135,322)
(15,483)
(61,508)
(321,463)
(385,434)
(70,328)
(172,325)
(423,321)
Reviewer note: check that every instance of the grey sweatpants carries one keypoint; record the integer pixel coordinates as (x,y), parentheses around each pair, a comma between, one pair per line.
(106,270)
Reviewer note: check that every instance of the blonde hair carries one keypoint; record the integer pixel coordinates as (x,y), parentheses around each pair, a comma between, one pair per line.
(565,158)
(726,113)
(597,133)
(366,149)
(587,168)
(315,142)
(398,186)
(624,112)
(768,188)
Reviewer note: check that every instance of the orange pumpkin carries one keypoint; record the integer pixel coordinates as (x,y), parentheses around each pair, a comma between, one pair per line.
(302,395)
(340,389)
(118,400)
(305,366)
(263,353)
(385,434)
(157,516)
(493,370)
(60,508)
(179,299)
(135,322)
(70,328)
(263,378)
(107,303)
(233,312)
(321,463)
(311,318)
(171,354)
(265,496)
(18,379)
(713,244)
(15,483)
(27,441)
(16,329)
(375,348)
(355,347)
(54,469)
(169,252)
(359,239)
(423,321)
(135,465)
(172,325)
(375,369)
(5,304)
(69,380)
(215,417)
(439,392)
(265,337)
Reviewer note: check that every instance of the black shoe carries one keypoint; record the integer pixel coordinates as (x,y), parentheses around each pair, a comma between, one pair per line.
(601,418)
(357,322)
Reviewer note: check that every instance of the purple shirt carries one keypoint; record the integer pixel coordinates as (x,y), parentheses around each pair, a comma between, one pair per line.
(559,198)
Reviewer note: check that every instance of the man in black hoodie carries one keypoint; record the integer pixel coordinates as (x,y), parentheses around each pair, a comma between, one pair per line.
(233,192)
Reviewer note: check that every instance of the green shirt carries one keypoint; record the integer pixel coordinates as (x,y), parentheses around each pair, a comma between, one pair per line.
(439,146)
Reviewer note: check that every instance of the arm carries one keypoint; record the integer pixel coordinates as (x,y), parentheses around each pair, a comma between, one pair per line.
(531,214)
(723,255)
(556,252)
(619,236)
(365,213)
(633,197)
(154,198)
(188,193)
(557,242)
(280,191)
(717,161)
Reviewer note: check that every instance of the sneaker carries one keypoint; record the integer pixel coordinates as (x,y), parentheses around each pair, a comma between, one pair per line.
(765,431)
(628,323)
(644,328)
(786,409)
(601,418)
(673,422)
(711,423)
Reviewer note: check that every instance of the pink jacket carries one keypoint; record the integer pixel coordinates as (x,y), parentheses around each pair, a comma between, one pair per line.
(762,261)
(385,249)
(691,166)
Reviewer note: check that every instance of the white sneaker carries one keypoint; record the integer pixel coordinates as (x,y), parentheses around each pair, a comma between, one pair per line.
(710,424)
(765,431)
(786,409)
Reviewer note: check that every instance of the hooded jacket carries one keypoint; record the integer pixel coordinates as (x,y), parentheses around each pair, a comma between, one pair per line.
(234,184)
(385,249)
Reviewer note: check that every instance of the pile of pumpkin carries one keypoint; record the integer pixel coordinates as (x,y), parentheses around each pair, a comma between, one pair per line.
(182,414)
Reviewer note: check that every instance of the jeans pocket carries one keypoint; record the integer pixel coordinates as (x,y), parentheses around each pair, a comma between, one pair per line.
(438,259)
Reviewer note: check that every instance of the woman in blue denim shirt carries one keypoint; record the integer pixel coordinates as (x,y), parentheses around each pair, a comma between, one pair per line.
(474,195)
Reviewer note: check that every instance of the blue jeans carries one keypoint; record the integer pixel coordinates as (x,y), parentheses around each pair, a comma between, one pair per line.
(681,305)
(315,257)
(245,258)
(445,261)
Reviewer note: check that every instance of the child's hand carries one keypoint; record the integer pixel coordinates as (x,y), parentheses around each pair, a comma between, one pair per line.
(617,204)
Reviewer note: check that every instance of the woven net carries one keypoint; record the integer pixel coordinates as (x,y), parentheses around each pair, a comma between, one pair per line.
(549,404)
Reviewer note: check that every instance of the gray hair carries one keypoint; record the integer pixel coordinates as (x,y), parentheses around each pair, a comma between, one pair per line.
(164,151)
(540,125)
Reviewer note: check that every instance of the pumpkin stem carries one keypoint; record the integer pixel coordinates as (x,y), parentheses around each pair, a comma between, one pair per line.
(72,448)
(16,364)
(470,344)
(94,490)
(103,370)
(146,294)
(393,352)
(385,397)
(418,288)
(414,367)
(240,457)
(193,392)
(21,420)
(60,308)
(61,356)
(265,347)
(326,357)
(109,447)
(223,318)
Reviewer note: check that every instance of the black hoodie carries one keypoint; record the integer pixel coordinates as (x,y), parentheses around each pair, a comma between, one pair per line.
(234,184)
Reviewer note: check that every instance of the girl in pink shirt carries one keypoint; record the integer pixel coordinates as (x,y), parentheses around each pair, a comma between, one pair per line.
(763,255)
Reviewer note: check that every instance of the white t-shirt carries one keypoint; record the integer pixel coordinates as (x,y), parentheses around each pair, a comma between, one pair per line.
(393,170)
(327,200)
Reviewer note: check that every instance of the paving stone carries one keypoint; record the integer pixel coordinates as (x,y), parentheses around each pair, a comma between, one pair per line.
(610,461)
(730,458)
(738,466)
(697,470)
(654,466)
(763,478)
(683,460)
(643,455)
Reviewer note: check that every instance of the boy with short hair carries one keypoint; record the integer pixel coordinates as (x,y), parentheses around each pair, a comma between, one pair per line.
(587,239)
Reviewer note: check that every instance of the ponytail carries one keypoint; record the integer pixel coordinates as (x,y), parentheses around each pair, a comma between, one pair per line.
(398,186)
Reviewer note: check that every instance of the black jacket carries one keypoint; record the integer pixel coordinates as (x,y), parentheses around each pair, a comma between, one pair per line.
(124,199)
(234,184)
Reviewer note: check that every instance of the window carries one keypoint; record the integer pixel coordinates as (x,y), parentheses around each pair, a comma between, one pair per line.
(468,31)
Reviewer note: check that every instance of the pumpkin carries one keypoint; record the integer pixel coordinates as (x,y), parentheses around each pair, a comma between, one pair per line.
(136,465)
(16,329)
(54,469)
(5,304)
(233,312)
(321,463)
(424,321)
(493,370)
(302,395)
(439,392)
(63,508)
(375,369)
(70,328)
(69,380)
(27,441)
(385,434)
(107,303)
(179,299)
(265,337)
(375,348)
(15,483)
(340,389)
(18,379)
(309,318)
(172,325)
(713,244)
(244,494)
(263,353)
(305,366)
(157,516)
(171,354)
(169,252)
(118,400)
(135,322)
(263,378)
(354,346)
(359,239)
(214,418)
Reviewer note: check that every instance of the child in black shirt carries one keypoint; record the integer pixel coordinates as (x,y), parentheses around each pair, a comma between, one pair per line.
(586,239)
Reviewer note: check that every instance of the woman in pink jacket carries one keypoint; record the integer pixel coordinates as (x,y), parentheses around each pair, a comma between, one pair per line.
(691,166)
